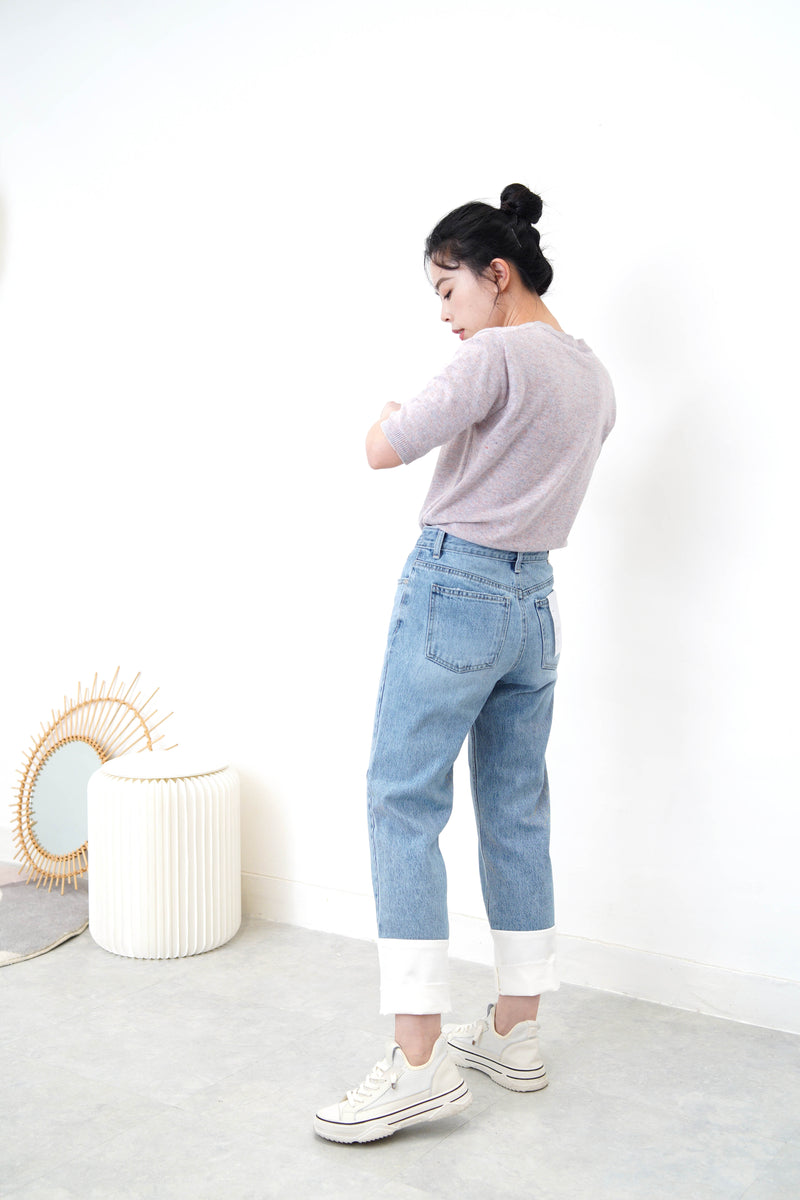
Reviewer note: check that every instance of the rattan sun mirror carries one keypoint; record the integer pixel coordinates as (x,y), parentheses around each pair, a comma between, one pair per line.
(50,811)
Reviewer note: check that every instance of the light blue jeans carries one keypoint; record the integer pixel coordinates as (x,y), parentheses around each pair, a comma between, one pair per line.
(472,652)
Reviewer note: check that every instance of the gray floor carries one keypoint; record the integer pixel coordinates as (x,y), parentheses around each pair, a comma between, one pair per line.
(198,1077)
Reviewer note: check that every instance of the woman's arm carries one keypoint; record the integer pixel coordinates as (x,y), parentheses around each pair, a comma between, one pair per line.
(380,452)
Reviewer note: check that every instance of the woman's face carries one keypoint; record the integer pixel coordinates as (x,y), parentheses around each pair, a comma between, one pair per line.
(469,302)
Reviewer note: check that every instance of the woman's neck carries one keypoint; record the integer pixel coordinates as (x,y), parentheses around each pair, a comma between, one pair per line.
(524,307)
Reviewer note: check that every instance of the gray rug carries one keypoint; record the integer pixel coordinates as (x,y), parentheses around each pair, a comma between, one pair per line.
(33,920)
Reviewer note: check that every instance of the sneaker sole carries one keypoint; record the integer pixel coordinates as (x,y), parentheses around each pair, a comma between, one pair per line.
(371,1129)
(515,1079)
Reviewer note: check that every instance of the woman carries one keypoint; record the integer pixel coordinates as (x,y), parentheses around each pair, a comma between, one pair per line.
(520,415)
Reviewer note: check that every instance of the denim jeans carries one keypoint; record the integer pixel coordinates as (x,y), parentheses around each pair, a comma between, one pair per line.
(472,652)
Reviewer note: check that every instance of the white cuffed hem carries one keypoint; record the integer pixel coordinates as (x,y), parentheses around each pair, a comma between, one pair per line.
(525,961)
(415,976)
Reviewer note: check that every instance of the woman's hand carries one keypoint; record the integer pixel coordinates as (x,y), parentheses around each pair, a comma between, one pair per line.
(388,409)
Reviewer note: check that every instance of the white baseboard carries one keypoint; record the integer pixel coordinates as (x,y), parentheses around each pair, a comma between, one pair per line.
(681,983)
(7,847)
(677,982)
(328,909)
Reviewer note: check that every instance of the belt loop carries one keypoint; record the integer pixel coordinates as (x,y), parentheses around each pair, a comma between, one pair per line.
(518,563)
(437,545)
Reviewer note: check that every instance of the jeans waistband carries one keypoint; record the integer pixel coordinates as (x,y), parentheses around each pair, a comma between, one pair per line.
(438,540)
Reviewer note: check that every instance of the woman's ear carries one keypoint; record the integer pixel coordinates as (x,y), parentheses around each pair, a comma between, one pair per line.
(502,273)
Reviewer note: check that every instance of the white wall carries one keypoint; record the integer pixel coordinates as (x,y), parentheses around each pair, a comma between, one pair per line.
(210,281)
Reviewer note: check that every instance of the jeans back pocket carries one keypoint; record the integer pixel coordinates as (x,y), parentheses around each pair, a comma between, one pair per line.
(550,623)
(466,630)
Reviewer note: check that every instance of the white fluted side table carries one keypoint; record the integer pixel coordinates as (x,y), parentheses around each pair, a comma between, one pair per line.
(164,855)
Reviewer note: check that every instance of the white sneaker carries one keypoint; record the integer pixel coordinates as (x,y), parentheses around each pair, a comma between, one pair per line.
(395,1095)
(512,1060)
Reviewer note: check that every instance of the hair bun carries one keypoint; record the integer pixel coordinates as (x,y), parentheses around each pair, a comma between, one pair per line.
(519,201)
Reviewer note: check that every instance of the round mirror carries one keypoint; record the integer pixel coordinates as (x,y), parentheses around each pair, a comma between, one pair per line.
(59,797)
(51,818)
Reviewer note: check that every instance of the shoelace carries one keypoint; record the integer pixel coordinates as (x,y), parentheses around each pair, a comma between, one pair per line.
(365,1090)
(473,1030)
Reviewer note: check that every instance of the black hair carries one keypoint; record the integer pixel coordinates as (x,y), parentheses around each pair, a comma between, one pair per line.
(476,233)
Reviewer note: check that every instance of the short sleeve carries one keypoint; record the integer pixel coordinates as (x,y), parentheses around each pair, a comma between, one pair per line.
(469,389)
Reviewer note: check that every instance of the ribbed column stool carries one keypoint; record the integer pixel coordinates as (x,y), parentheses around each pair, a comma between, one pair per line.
(164,855)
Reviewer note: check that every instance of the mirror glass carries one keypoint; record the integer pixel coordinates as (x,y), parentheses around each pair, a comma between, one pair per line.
(59,797)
